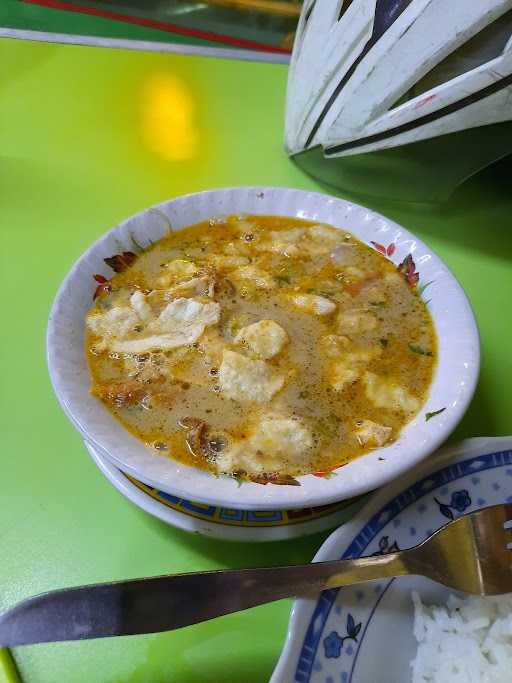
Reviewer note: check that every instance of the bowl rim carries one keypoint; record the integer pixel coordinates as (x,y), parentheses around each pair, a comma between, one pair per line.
(361,475)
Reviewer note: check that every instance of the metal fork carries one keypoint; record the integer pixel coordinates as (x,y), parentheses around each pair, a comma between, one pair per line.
(469,554)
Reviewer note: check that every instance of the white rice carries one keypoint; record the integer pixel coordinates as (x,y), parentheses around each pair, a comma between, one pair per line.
(466,641)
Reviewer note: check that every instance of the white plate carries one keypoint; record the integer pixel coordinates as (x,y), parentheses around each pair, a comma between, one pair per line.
(225,524)
(363,634)
(452,388)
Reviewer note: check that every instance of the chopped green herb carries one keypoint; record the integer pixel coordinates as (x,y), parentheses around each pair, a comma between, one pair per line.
(283,278)
(384,342)
(417,349)
(325,429)
(429,416)
(233,326)
(423,287)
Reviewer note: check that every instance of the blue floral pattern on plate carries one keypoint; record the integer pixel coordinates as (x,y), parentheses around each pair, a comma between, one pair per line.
(459,487)
(333,643)
(459,502)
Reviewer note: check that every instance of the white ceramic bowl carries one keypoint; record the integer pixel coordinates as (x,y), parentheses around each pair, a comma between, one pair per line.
(451,390)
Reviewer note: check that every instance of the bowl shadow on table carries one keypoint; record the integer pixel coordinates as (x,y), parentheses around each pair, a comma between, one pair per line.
(233,649)
(480,418)
(224,667)
(473,216)
(237,554)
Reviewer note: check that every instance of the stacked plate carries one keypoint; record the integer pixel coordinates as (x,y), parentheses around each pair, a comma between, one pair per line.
(198,501)
(223,522)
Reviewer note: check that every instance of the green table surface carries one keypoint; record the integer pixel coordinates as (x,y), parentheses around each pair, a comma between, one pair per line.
(84,143)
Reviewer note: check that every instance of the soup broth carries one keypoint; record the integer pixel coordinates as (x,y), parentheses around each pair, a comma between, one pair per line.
(262,347)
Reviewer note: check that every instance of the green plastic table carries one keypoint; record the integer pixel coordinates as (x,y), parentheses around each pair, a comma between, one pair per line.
(89,136)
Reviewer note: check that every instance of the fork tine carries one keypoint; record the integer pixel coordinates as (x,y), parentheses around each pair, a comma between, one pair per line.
(493,543)
(472,552)
(495,520)
(500,514)
(508,512)
(508,537)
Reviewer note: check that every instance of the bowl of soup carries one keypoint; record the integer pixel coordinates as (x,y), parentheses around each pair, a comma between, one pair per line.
(262,348)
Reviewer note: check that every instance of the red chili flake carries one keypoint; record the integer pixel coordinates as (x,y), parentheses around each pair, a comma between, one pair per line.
(100,278)
(353,288)
(120,262)
(327,473)
(391,249)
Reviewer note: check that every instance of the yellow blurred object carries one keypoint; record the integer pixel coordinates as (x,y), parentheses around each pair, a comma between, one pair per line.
(280,7)
(8,670)
(287,41)
(169,117)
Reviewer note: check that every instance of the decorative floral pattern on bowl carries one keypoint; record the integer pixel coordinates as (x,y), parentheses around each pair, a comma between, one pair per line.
(241,518)
(406,268)
(363,633)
